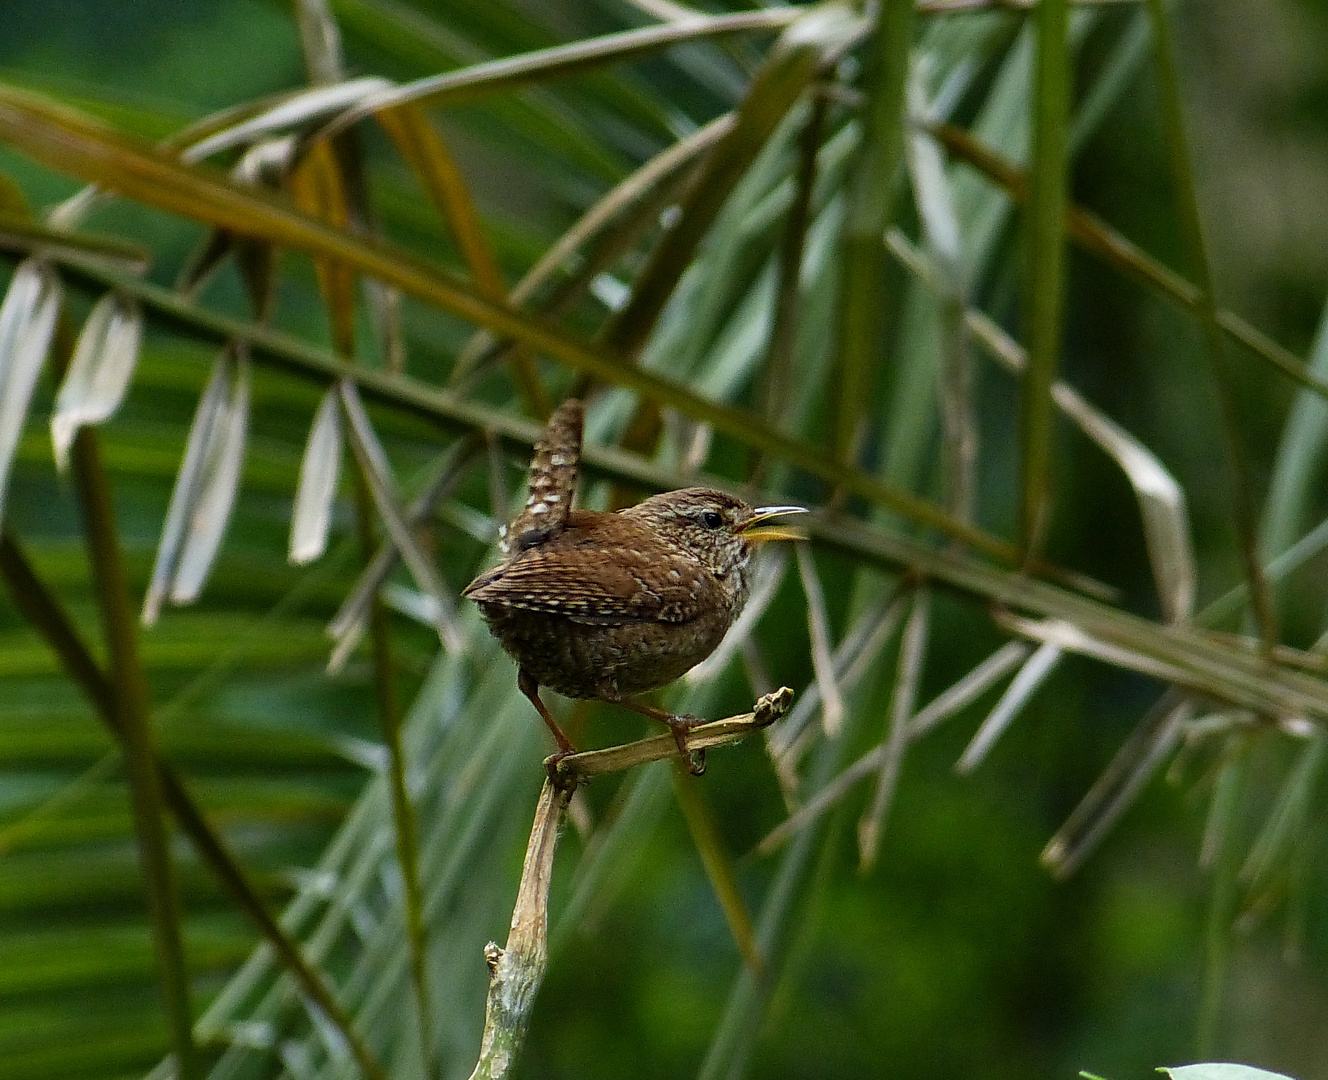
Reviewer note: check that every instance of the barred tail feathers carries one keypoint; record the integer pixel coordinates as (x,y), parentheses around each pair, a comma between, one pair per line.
(552,481)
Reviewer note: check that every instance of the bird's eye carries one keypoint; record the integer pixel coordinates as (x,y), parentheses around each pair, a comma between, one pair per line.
(711,520)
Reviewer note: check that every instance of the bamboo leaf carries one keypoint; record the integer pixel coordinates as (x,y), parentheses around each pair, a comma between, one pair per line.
(1288,819)
(27,324)
(1162,504)
(20,235)
(944,705)
(1044,266)
(1033,673)
(509,72)
(319,189)
(968,689)
(869,202)
(204,434)
(428,156)
(940,221)
(351,619)
(1134,764)
(292,112)
(1238,466)
(320,468)
(373,460)
(1300,457)
(99,374)
(818,623)
(912,654)
(218,483)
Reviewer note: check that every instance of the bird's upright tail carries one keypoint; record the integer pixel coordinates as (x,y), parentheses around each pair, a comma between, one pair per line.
(552,481)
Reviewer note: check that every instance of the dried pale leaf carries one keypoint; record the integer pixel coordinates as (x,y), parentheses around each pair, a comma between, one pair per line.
(912,653)
(1225,805)
(319,472)
(99,374)
(378,473)
(1036,668)
(931,186)
(320,39)
(351,619)
(1072,638)
(188,484)
(216,494)
(1161,503)
(1289,816)
(944,704)
(27,323)
(818,623)
(296,111)
(855,655)
(1220,1071)
(970,687)
(1134,764)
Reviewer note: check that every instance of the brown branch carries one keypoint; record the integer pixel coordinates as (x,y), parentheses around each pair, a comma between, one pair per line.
(516,971)
(575,768)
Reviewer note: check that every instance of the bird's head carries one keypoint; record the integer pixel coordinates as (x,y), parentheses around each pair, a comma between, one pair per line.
(716,528)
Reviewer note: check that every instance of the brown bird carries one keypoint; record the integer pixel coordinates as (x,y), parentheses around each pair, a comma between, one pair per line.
(608,606)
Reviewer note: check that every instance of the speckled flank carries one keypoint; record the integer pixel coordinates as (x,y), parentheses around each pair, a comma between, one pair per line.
(615,605)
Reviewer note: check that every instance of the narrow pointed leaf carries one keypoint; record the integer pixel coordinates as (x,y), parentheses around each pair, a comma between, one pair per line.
(352,618)
(219,483)
(944,705)
(968,689)
(561,60)
(428,156)
(1035,670)
(912,654)
(869,203)
(1191,227)
(378,473)
(99,374)
(27,324)
(188,485)
(818,623)
(320,469)
(1044,265)
(1134,764)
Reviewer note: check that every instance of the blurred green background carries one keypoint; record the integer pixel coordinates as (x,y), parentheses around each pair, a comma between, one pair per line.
(957,956)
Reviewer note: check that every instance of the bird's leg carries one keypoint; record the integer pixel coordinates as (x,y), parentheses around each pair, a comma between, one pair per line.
(528,686)
(677,725)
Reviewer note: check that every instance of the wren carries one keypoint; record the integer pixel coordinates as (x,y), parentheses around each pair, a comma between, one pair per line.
(607,606)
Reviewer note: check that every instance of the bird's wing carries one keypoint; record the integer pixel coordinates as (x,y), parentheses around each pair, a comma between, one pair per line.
(590,584)
(552,481)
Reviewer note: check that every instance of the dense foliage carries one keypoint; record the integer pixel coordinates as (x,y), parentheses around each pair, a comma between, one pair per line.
(338,258)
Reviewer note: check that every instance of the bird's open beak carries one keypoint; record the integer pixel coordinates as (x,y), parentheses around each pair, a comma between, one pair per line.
(771,532)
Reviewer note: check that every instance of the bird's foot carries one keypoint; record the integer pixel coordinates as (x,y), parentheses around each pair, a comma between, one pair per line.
(694,760)
(560,778)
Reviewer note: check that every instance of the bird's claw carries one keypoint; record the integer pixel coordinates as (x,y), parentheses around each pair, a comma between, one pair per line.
(693,760)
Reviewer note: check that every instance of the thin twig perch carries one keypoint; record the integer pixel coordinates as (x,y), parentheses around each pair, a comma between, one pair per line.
(516,970)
